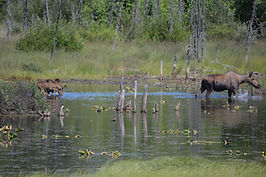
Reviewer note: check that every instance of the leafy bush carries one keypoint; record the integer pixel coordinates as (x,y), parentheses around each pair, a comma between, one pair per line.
(40,37)
(222,31)
(97,32)
(20,97)
(157,30)
(31,67)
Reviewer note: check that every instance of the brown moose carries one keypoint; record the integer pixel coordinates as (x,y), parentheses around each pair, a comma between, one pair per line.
(229,81)
(50,86)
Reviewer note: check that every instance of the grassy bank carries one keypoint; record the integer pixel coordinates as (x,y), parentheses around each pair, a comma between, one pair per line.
(97,60)
(177,167)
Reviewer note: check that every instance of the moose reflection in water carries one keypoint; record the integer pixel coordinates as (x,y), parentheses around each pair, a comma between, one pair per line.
(229,81)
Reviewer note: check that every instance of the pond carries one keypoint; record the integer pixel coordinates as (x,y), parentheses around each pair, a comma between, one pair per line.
(212,129)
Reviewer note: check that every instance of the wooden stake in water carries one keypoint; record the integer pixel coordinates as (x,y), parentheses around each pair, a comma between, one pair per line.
(144,99)
(121,100)
(135,96)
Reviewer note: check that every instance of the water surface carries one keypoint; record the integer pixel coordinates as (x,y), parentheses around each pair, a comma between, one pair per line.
(221,130)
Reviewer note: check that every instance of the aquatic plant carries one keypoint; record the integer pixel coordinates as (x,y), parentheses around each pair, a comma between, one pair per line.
(86,153)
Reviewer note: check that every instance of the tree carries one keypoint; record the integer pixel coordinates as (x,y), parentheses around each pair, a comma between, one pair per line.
(8,20)
(47,12)
(26,16)
(56,29)
(117,24)
(250,30)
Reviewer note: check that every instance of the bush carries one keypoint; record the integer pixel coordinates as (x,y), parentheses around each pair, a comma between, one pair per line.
(40,37)
(222,31)
(98,32)
(31,67)
(20,97)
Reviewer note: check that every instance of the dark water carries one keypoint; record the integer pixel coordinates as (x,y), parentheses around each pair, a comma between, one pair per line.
(221,130)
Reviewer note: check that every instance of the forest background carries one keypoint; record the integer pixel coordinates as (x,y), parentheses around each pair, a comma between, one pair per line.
(99,38)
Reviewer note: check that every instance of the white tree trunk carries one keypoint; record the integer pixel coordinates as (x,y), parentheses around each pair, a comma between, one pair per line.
(8,20)
(117,24)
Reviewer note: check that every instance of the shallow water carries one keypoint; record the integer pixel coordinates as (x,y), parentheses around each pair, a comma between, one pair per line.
(221,130)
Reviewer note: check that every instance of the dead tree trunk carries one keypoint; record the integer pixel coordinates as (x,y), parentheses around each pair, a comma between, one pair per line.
(188,55)
(180,10)
(111,13)
(117,24)
(174,68)
(55,33)
(155,9)
(195,24)
(26,16)
(250,31)
(73,12)
(171,17)
(47,12)
(146,8)
(8,20)
(144,99)
(202,31)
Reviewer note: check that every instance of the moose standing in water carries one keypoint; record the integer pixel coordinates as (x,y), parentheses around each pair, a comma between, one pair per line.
(229,81)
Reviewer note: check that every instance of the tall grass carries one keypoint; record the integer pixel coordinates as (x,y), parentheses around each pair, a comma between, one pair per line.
(185,167)
(97,61)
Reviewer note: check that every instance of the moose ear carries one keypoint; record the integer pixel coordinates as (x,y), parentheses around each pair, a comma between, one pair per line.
(250,74)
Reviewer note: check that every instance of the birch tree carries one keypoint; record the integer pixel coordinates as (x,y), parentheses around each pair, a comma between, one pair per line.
(8,20)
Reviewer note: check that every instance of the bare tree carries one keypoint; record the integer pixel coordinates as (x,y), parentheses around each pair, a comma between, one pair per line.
(26,16)
(73,12)
(47,12)
(117,24)
(146,8)
(56,29)
(155,9)
(202,31)
(171,17)
(250,31)
(134,21)
(8,20)
(188,55)
(180,10)
(195,22)
(111,13)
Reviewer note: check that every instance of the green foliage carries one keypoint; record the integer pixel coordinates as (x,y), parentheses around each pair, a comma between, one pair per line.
(31,67)
(20,97)
(222,31)
(97,32)
(40,37)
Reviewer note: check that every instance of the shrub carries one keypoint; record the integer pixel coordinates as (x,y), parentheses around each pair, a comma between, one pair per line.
(222,31)
(40,37)
(31,67)
(97,32)
(20,97)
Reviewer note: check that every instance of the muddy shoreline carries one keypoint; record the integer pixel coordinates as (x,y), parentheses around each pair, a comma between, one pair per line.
(192,84)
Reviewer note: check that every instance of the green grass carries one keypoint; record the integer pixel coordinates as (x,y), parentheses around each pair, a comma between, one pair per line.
(185,167)
(97,61)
